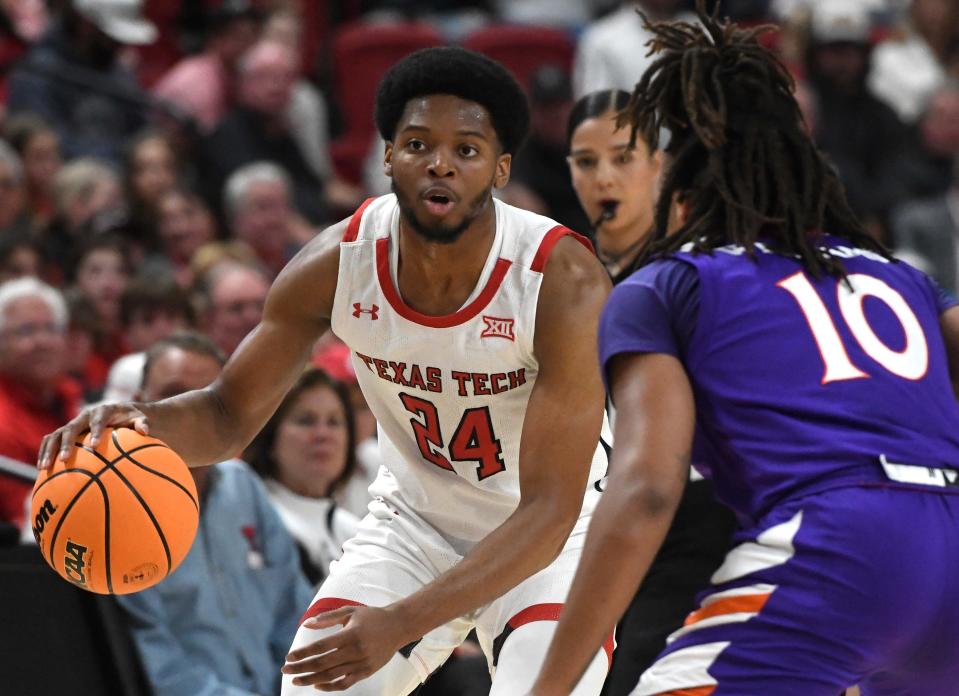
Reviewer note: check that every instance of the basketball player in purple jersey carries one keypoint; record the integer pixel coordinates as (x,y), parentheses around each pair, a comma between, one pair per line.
(768,336)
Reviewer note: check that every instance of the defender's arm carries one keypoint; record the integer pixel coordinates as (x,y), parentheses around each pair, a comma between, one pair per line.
(655,415)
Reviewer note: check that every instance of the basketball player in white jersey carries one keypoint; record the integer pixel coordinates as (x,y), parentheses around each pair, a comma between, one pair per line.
(472,327)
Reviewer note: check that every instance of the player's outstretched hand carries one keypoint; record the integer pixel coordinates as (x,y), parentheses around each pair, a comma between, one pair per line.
(369,638)
(94,419)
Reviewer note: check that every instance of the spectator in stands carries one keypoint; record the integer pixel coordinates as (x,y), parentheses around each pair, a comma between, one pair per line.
(926,234)
(82,190)
(22,22)
(214,253)
(333,357)
(611,52)
(927,165)
(184,225)
(84,335)
(232,295)
(101,276)
(35,393)
(13,219)
(861,135)
(222,622)
(540,166)
(307,115)
(908,69)
(19,257)
(74,79)
(259,212)
(38,146)
(151,171)
(151,309)
(306,452)
(202,86)
(258,129)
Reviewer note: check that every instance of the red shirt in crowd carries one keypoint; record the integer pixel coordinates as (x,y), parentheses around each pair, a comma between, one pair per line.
(23,423)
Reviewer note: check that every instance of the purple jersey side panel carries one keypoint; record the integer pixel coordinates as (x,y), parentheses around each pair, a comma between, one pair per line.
(783,410)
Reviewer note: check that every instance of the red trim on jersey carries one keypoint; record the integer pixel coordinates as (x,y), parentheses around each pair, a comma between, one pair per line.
(551,612)
(549,241)
(353,229)
(461,316)
(325,604)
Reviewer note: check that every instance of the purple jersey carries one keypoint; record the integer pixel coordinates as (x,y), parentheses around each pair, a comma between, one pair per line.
(801,385)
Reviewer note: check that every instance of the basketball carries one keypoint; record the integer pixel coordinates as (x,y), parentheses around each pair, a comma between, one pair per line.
(117,518)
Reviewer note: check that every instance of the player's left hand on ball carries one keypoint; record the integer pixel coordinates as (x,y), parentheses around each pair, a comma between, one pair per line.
(369,638)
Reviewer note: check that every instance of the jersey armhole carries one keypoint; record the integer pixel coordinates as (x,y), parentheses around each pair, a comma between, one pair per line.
(549,241)
(353,228)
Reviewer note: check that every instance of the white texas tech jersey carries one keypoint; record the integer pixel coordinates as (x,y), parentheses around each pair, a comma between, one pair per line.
(449,392)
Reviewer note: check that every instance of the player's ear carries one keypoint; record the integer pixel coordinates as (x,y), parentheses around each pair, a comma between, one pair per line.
(503,164)
(388,158)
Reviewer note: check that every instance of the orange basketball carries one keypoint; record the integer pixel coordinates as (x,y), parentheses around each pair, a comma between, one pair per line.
(118,518)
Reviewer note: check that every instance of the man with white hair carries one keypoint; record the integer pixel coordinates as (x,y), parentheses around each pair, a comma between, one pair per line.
(258,129)
(257,203)
(35,392)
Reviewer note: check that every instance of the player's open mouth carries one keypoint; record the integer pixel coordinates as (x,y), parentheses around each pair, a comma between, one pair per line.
(438,201)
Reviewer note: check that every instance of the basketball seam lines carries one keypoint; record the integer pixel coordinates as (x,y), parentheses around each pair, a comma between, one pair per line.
(112,466)
(56,530)
(94,478)
(96,475)
(154,471)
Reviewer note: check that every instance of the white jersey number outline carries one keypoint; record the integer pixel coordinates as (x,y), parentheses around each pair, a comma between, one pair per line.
(910,363)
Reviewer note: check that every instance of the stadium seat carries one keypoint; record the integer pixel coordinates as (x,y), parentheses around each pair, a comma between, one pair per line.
(58,639)
(362,53)
(523,48)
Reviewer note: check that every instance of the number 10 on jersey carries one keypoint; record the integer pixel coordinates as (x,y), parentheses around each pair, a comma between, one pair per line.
(473,440)
(909,363)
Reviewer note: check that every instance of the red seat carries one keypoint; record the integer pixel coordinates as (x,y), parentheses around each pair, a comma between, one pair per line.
(523,48)
(362,53)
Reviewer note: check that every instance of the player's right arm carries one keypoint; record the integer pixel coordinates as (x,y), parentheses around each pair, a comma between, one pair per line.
(209,425)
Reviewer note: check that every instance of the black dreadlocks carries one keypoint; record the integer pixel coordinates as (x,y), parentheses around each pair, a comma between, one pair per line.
(741,159)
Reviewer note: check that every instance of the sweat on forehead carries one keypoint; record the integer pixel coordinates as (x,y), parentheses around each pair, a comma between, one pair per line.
(456,72)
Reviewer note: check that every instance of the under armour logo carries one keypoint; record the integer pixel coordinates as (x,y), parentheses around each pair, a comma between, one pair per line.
(372,311)
(496,327)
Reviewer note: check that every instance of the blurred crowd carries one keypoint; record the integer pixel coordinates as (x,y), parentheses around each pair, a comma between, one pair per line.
(161,160)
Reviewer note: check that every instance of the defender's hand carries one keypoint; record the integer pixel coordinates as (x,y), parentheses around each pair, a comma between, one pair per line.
(368,641)
(93,419)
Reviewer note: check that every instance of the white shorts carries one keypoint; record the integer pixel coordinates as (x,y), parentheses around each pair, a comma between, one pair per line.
(394,554)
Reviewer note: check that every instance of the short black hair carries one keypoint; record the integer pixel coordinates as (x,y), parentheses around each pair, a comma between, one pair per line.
(461,73)
(151,295)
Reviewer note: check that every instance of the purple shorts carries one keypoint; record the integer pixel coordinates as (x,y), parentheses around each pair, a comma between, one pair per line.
(852,586)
